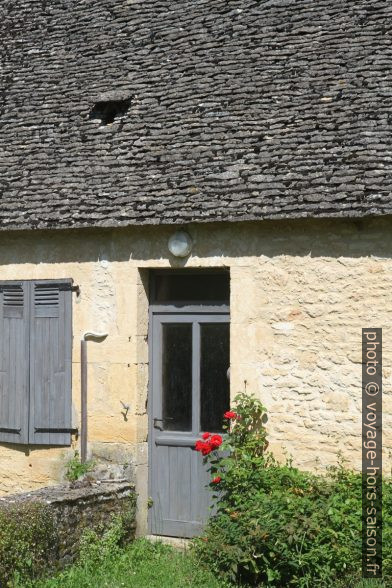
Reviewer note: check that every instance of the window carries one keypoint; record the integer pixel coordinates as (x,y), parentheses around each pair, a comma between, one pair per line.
(193,347)
(35,362)
(191,287)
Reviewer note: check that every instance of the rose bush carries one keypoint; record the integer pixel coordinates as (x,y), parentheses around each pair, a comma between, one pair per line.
(275,525)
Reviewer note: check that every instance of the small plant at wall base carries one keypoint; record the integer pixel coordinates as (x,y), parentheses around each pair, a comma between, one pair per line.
(275,525)
(75,469)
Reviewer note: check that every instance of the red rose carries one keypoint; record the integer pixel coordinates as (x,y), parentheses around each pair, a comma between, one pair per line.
(199,445)
(216,441)
(216,480)
(206,449)
(206,435)
(229,414)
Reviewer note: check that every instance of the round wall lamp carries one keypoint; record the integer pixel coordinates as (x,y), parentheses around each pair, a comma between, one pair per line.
(180,244)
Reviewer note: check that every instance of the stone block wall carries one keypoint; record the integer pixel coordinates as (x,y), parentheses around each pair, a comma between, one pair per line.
(76,509)
(301,291)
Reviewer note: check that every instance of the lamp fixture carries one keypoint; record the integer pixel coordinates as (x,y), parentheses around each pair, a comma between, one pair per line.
(180,244)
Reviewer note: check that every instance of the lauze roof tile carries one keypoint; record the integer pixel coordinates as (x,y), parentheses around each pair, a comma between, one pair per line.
(171,111)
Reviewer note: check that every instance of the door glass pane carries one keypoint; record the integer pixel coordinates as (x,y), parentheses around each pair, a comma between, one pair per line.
(177,376)
(214,384)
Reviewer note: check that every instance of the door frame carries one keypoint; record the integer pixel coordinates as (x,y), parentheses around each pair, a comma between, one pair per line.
(177,309)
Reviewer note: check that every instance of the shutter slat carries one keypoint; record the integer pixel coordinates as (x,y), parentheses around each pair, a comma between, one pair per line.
(50,364)
(46,301)
(13,302)
(14,361)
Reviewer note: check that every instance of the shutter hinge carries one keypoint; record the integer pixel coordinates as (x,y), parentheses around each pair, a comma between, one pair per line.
(7,430)
(69,287)
(65,287)
(54,430)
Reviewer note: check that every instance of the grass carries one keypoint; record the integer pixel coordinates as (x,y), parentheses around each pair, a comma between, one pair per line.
(141,564)
(370,584)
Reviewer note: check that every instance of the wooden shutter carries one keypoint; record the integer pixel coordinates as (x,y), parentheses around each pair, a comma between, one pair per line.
(14,362)
(50,362)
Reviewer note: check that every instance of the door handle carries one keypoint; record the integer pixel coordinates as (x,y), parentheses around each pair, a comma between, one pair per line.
(155,425)
(156,420)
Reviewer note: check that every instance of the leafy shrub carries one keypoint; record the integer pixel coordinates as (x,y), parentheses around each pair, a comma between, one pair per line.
(276,525)
(107,542)
(95,546)
(27,541)
(75,469)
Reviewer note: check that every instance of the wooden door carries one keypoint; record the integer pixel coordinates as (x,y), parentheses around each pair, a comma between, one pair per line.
(189,394)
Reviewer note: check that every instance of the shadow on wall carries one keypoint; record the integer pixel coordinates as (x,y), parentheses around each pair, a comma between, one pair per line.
(144,245)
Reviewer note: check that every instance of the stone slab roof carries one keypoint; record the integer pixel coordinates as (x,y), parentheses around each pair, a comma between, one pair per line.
(117,112)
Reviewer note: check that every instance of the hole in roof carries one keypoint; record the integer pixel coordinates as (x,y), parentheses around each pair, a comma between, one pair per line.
(107,111)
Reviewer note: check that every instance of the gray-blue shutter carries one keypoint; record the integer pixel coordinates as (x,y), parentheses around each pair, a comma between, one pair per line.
(50,362)
(14,362)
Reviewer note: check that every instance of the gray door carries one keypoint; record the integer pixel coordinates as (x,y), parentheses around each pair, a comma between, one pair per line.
(189,394)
